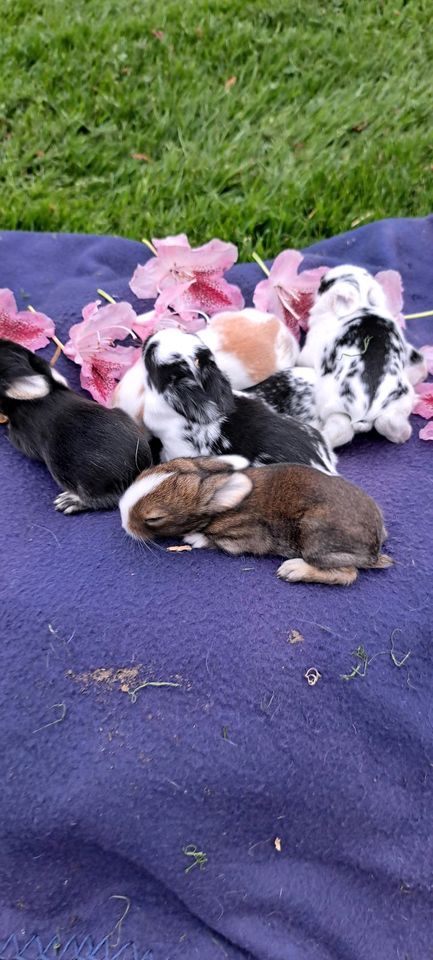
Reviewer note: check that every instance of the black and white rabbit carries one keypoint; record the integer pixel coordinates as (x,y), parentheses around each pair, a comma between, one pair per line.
(360,357)
(190,406)
(93,453)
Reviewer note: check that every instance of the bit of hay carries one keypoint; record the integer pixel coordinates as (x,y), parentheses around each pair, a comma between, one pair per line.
(181,549)
(118,927)
(226,736)
(277,844)
(397,663)
(150,683)
(295,636)
(200,858)
(60,706)
(360,669)
(312,675)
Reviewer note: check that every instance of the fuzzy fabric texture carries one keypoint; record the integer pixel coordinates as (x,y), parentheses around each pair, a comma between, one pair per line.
(98,808)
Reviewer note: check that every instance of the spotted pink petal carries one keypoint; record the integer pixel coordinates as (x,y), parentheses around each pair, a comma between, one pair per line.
(31,329)
(426,433)
(424,405)
(209,294)
(427,351)
(392,286)
(101,372)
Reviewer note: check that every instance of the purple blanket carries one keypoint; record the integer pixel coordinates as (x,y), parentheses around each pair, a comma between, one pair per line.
(304,812)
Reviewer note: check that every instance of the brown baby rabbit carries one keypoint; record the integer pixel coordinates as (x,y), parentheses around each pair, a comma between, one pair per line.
(326,526)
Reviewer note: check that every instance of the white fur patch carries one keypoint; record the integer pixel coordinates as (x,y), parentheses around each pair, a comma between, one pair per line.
(28,388)
(129,393)
(232,366)
(196,540)
(172,341)
(235,461)
(139,489)
(58,376)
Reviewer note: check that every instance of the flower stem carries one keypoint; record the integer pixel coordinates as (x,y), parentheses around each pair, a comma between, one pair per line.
(418,316)
(261,264)
(147,243)
(105,295)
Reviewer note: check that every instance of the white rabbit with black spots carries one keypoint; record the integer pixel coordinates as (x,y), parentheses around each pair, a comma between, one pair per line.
(361,359)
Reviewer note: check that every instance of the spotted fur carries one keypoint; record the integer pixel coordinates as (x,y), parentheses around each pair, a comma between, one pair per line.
(360,357)
(290,392)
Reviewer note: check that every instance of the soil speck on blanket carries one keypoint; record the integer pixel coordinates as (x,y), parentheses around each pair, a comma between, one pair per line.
(125,678)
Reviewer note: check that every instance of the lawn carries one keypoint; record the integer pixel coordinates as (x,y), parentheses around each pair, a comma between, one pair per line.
(267,124)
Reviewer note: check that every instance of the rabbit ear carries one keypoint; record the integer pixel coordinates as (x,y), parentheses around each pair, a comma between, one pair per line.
(376,297)
(28,388)
(344,299)
(223,492)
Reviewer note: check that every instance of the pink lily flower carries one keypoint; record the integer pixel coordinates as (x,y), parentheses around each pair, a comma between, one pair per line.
(176,308)
(31,329)
(92,346)
(287,293)
(101,371)
(99,327)
(197,272)
(424,405)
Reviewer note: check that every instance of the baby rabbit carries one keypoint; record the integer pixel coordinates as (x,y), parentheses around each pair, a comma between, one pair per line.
(249,345)
(360,356)
(290,392)
(190,406)
(92,452)
(326,526)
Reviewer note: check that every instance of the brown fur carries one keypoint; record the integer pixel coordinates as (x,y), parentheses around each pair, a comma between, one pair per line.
(326,525)
(255,344)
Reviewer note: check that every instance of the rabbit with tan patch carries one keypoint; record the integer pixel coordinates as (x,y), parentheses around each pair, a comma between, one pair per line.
(249,345)
(324,525)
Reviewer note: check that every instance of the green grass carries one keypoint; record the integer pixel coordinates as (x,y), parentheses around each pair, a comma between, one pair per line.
(328,124)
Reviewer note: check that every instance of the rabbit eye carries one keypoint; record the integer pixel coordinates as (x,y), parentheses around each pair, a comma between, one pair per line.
(154,521)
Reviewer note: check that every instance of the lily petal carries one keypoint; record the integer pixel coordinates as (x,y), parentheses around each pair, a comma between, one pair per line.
(31,329)
(426,433)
